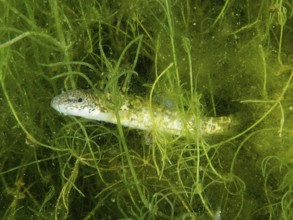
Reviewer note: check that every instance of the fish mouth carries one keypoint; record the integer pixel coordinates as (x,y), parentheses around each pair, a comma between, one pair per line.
(55,104)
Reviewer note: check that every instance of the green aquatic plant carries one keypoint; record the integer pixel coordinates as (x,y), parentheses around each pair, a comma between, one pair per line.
(211,58)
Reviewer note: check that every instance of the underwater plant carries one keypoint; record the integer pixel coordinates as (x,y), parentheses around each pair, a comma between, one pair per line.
(198,60)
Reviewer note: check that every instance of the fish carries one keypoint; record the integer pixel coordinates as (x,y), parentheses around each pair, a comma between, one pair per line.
(137,113)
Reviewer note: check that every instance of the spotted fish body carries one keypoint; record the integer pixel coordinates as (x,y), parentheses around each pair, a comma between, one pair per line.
(136,113)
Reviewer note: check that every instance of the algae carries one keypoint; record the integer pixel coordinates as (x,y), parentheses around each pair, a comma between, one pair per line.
(211,58)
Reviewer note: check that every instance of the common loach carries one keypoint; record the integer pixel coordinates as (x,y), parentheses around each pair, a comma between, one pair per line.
(136,113)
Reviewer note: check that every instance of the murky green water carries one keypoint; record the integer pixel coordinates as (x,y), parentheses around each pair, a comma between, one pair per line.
(210,58)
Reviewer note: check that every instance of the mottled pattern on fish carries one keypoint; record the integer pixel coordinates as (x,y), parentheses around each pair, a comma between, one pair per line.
(136,113)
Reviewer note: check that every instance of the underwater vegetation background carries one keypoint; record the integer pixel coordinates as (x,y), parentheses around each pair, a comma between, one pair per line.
(207,58)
